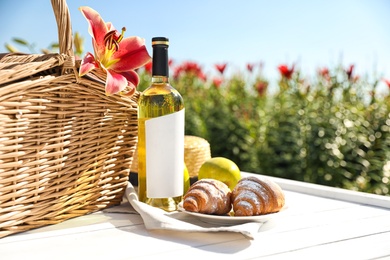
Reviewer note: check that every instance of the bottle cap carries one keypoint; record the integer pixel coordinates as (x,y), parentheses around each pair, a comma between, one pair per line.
(160,41)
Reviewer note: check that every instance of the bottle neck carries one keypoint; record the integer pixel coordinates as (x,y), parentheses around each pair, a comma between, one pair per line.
(160,79)
(160,62)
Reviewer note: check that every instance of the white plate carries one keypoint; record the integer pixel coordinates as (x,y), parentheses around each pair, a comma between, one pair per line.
(231,220)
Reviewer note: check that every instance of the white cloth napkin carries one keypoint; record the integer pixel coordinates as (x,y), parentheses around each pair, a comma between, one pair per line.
(155,218)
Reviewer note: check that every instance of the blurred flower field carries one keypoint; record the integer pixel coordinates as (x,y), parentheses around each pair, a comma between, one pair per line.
(333,129)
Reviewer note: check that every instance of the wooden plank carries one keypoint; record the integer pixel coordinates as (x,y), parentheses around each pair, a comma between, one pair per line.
(101,240)
(286,243)
(367,247)
(109,243)
(88,223)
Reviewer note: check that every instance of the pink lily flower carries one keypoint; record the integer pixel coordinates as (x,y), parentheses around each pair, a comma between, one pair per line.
(119,57)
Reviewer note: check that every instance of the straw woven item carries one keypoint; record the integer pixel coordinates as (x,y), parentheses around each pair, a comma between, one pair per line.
(196,152)
(65,147)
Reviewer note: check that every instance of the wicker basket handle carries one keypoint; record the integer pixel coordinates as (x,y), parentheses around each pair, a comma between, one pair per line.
(64,26)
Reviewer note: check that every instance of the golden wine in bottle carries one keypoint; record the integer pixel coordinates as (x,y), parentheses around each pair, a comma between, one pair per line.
(160,136)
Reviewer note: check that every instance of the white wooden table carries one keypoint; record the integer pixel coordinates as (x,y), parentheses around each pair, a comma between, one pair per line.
(320,223)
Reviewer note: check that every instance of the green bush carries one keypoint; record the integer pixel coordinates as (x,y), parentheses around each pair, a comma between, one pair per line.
(332,130)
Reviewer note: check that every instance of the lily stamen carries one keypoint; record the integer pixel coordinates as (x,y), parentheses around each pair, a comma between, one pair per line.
(109,39)
(112,41)
(122,35)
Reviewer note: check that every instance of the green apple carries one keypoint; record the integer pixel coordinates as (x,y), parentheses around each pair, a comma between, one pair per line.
(186,180)
(222,169)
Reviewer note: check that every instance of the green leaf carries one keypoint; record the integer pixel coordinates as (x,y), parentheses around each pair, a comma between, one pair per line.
(20,41)
(11,48)
(54,45)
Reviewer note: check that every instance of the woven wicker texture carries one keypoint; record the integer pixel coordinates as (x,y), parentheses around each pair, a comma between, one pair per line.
(65,147)
(134,165)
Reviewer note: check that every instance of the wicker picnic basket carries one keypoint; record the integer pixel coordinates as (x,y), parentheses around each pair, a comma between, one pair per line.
(65,147)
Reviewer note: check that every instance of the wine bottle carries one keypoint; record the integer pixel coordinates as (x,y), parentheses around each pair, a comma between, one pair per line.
(160,136)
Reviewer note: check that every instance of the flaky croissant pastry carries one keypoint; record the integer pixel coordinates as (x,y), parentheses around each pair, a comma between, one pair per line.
(254,196)
(208,196)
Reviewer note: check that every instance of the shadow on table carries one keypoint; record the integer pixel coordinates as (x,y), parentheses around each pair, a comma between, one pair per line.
(222,242)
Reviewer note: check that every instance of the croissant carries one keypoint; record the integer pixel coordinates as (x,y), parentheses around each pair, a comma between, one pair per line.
(254,196)
(208,196)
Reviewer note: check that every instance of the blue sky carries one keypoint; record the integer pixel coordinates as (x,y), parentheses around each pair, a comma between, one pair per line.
(310,33)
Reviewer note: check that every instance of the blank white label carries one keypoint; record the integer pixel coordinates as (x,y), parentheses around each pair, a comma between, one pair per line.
(165,155)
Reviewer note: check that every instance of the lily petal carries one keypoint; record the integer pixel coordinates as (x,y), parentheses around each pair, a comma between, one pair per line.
(88,64)
(110,26)
(115,82)
(132,82)
(132,78)
(97,28)
(132,54)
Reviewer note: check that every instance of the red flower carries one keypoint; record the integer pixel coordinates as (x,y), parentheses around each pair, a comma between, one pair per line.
(148,67)
(202,76)
(261,87)
(170,62)
(349,71)
(221,67)
(387,81)
(324,72)
(190,68)
(249,67)
(217,82)
(285,71)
